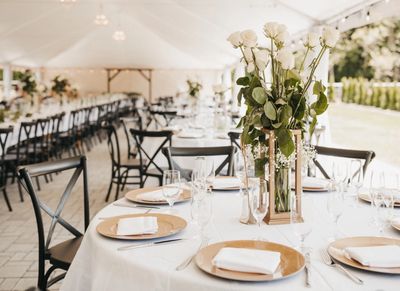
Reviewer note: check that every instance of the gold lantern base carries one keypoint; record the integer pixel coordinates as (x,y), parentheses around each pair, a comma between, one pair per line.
(272,216)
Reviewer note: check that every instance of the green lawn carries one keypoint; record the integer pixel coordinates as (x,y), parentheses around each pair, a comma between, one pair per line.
(363,127)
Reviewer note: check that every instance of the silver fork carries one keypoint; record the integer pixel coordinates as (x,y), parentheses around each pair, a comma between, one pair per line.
(187,261)
(328,261)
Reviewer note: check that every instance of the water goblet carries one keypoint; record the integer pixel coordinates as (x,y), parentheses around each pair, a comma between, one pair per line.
(171,186)
(259,200)
(335,205)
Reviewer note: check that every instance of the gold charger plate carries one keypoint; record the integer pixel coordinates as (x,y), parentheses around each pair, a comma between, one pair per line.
(365,197)
(292,261)
(336,248)
(228,188)
(134,196)
(167,225)
(396,225)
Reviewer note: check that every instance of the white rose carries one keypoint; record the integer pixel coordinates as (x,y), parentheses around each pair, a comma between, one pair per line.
(330,36)
(249,38)
(283,37)
(248,54)
(251,67)
(271,29)
(235,39)
(261,55)
(311,40)
(286,58)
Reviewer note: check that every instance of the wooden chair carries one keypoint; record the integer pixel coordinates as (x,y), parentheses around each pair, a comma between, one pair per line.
(4,135)
(120,168)
(235,138)
(228,151)
(148,166)
(366,156)
(59,256)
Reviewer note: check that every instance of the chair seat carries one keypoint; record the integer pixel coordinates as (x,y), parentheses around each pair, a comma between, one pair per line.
(63,253)
(154,172)
(131,163)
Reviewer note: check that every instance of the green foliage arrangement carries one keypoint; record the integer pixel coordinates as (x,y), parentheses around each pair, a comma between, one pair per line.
(364,92)
(60,85)
(28,82)
(280,103)
(194,88)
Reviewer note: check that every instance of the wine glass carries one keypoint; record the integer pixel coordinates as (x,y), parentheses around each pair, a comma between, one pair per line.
(340,175)
(356,179)
(335,207)
(259,200)
(199,172)
(210,174)
(301,229)
(171,186)
(201,212)
(391,182)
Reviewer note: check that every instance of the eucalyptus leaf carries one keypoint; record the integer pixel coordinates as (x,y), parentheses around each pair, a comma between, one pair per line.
(280,101)
(259,95)
(318,87)
(285,141)
(269,110)
(321,104)
(259,167)
(243,81)
(277,125)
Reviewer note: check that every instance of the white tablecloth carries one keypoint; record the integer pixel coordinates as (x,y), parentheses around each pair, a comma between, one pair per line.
(99,266)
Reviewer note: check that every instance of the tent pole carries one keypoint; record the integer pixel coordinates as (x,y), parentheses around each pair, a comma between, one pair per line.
(150,86)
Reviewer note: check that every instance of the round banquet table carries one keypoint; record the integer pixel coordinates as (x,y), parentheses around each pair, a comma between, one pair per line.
(98,265)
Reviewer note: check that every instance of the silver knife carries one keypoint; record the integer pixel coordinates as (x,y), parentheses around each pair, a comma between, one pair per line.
(136,206)
(144,245)
(308,270)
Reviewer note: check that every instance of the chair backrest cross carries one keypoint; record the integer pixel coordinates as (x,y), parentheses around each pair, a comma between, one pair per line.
(147,160)
(227,151)
(25,175)
(364,155)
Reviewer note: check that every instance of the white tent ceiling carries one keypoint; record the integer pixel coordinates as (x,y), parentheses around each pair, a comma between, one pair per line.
(163,34)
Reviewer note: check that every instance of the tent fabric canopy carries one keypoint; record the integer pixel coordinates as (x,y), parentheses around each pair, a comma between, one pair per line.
(160,34)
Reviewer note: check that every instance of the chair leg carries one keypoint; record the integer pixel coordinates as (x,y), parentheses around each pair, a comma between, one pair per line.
(109,190)
(7,200)
(38,183)
(118,185)
(46,179)
(21,195)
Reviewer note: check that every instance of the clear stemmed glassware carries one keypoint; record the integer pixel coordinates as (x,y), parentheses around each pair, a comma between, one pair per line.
(391,183)
(171,186)
(301,229)
(340,175)
(356,178)
(259,200)
(201,212)
(199,173)
(210,174)
(335,207)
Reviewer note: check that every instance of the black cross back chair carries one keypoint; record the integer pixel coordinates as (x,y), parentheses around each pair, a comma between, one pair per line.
(228,151)
(148,167)
(60,255)
(364,155)
(120,168)
(4,135)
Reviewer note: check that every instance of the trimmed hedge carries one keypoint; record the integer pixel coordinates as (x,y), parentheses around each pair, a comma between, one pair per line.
(364,92)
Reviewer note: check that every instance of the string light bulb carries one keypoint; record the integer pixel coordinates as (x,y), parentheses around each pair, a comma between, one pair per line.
(368,16)
(343,20)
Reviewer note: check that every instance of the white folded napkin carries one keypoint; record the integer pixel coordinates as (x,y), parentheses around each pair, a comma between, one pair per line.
(156,195)
(137,225)
(312,182)
(228,182)
(190,134)
(376,256)
(247,260)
